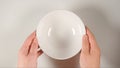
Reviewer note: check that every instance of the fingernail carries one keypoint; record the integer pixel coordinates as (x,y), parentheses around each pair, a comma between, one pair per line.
(38,49)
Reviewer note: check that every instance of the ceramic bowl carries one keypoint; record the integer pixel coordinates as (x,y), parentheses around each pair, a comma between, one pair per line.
(60,33)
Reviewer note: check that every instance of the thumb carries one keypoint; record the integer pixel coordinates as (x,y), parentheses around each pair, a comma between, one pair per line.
(39,52)
(85,44)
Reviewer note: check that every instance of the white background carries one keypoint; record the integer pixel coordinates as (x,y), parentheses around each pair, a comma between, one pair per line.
(18,18)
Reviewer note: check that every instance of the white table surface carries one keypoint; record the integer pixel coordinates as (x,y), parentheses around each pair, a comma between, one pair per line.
(18,18)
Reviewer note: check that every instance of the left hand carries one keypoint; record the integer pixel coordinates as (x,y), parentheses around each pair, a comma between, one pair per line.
(28,54)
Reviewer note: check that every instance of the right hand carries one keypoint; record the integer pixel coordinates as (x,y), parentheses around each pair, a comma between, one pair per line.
(90,53)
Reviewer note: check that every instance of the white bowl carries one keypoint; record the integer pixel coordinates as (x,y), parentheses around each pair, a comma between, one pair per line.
(60,33)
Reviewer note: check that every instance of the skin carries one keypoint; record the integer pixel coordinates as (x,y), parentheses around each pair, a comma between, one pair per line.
(90,53)
(28,53)
(89,56)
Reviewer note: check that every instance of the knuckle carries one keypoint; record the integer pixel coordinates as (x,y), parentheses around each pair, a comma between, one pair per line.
(85,53)
(34,43)
(98,52)
(22,53)
(32,54)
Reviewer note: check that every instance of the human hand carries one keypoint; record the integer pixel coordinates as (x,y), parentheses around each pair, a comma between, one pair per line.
(90,53)
(28,54)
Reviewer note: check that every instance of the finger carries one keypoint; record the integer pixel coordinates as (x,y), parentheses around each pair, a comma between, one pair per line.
(39,53)
(85,44)
(34,47)
(27,43)
(92,39)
